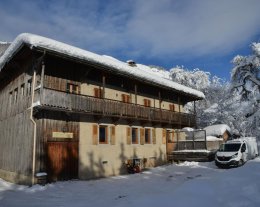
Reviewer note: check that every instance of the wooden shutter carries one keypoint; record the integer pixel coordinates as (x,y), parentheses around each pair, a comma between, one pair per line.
(148,102)
(154,136)
(142,137)
(124,98)
(128,135)
(128,99)
(164,136)
(172,107)
(145,102)
(95,134)
(113,135)
(97,92)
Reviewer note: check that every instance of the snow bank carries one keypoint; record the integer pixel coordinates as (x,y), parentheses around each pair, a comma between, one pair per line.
(137,71)
(187,184)
(217,130)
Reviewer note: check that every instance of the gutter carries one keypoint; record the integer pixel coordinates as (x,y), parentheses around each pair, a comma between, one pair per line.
(34,122)
(34,128)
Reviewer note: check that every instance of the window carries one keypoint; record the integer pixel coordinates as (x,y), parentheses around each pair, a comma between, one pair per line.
(172,107)
(15,95)
(72,88)
(147,102)
(98,93)
(125,98)
(10,97)
(135,136)
(103,134)
(29,87)
(22,90)
(148,135)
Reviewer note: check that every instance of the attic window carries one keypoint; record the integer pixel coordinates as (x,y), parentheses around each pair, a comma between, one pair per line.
(131,63)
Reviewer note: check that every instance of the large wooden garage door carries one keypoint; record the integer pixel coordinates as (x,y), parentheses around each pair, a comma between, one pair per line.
(62,160)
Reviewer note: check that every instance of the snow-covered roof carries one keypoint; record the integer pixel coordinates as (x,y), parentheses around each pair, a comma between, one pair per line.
(217,130)
(188,129)
(115,65)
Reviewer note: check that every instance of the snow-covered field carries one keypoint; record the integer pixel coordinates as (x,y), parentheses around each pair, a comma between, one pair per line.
(187,184)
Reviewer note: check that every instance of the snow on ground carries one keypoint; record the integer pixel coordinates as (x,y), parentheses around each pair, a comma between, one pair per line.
(187,184)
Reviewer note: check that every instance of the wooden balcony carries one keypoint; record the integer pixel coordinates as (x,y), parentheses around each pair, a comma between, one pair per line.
(111,108)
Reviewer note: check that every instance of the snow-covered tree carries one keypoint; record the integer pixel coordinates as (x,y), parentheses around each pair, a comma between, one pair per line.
(246,73)
(196,78)
(214,88)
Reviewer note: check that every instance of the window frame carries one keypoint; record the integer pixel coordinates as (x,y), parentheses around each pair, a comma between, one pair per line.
(125,98)
(72,88)
(22,90)
(137,129)
(29,87)
(107,137)
(149,130)
(147,102)
(15,95)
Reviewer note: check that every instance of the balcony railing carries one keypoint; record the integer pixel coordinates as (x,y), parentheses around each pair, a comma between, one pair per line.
(107,107)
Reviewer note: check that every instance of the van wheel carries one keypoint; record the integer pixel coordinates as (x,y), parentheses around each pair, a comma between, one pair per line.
(241,162)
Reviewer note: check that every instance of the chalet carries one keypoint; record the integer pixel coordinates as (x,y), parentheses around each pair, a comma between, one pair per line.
(75,114)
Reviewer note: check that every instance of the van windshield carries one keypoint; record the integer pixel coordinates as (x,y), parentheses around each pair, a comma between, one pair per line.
(234,147)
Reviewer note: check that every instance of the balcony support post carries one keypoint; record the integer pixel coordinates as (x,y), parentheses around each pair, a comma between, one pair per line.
(160,105)
(135,100)
(103,92)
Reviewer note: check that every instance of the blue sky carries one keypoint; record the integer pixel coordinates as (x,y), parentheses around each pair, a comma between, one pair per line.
(203,34)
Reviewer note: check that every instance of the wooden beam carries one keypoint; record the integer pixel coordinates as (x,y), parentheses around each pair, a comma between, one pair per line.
(103,85)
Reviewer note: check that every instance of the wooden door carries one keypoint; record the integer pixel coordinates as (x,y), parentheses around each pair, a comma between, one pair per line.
(62,160)
(169,143)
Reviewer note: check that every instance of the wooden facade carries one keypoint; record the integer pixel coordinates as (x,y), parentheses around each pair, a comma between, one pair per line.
(47,97)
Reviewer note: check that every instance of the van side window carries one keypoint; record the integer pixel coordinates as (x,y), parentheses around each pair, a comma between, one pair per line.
(243,148)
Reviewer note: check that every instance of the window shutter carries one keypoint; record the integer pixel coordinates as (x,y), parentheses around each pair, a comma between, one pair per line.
(154,136)
(123,98)
(164,136)
(96,92)
(142,137)
(95,134)
(113,137)
(148,102)
(172,107)
(128,135)
(127,99)
(145,102)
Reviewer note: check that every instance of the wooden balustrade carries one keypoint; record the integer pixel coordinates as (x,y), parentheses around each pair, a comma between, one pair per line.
(107,107)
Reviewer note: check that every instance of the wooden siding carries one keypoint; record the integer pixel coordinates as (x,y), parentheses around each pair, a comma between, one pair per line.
(86,104)
(16,144)
(16,128)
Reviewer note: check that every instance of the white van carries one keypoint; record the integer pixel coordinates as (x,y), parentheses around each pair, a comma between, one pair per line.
(236,152)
